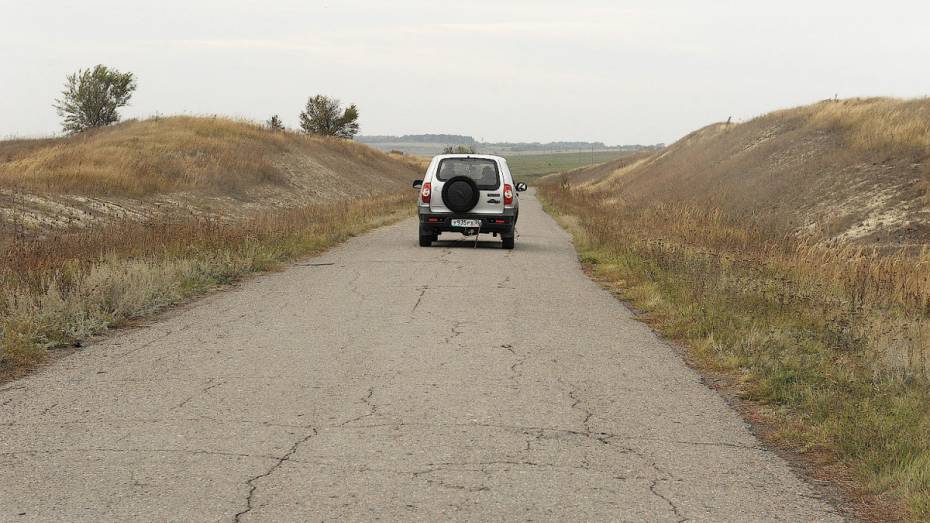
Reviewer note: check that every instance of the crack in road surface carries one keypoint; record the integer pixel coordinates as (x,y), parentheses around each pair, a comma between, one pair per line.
(210,385)
(253,481)
(423,290)
(576,405)
(372,408)
(518,362)
(653,488)
(389,381)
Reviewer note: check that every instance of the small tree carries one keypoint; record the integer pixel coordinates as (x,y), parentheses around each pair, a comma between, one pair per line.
(324,116)
(91,98)
(274,123)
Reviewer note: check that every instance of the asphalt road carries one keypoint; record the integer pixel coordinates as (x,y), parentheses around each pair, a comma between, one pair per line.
(384,380)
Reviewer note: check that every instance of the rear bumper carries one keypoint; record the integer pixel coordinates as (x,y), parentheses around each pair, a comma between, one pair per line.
(431,222)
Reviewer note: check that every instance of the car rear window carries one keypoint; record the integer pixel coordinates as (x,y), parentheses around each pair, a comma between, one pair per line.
(483,171)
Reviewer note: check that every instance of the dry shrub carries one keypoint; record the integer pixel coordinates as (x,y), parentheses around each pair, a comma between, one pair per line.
(18,337)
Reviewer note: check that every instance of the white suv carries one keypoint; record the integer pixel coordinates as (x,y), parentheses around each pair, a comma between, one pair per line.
(470,194)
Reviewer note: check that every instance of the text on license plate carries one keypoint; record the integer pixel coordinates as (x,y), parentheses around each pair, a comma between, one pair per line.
(466,223)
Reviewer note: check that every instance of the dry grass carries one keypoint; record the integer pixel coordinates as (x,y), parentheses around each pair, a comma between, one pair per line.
(57,290)
(155,169)
(888,125)
(418,162)
(831,336)
(17,148)
(139,158)
(114,224)
(834,341)
(846,171)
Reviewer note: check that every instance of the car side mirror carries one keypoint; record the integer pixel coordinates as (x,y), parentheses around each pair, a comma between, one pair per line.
(521,187)
(417,184)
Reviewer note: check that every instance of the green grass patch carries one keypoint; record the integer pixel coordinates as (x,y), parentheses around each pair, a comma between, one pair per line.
(528,167)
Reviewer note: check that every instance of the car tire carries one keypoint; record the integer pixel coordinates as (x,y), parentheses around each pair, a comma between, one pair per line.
(460,194)
(426,241)
(507,242)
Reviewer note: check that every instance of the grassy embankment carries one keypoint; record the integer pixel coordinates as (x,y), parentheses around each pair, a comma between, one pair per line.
(61,286)
(217,156)
(829,337)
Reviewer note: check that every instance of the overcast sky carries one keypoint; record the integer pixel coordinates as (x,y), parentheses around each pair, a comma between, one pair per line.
(638,71)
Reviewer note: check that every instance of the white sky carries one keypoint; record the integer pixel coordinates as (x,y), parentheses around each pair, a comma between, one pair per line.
(632,71)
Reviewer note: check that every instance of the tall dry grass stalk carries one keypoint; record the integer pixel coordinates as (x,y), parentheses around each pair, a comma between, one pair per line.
(57,290)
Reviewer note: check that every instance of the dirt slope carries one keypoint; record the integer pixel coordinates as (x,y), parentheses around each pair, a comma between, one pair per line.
(182,166)
(844,171)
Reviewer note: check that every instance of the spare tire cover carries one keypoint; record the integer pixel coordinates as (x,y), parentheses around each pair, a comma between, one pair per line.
(460,194)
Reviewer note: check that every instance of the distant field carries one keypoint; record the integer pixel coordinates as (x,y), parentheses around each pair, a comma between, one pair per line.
(530,166)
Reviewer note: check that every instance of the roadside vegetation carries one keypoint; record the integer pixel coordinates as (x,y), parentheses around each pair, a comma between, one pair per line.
(116,222)
(828,333)
(57,291)
(274,123)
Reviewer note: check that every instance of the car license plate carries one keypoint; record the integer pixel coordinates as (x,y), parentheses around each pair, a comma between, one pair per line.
(466,223)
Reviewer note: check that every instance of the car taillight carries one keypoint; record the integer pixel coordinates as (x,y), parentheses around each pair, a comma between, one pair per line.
(425,192)
(508,194)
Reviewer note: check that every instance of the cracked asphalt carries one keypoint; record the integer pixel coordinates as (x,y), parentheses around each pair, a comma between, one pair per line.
(382,380)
